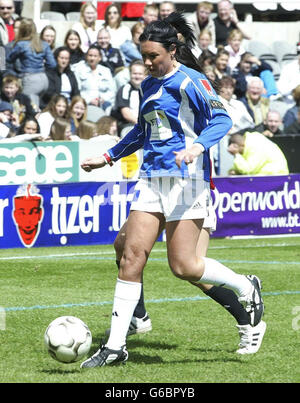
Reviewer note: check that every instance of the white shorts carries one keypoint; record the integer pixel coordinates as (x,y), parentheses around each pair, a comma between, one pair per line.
(176,198)
(210,222)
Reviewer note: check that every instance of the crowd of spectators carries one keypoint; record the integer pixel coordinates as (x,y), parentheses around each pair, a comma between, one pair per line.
(47,91)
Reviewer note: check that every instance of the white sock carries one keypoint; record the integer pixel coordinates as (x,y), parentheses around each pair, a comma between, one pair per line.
(217,274)
(127,295)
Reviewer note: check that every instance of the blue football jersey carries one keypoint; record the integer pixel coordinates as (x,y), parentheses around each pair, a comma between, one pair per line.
(176,110)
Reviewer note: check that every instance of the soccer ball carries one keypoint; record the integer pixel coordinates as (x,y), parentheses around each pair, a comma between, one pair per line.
(67,339)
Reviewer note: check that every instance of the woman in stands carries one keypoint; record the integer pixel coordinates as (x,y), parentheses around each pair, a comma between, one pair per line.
(78,112)
(119,32)
(221,64)
(34,55)
(204,42)
(88,25)
(29,126)
(61,79)
(48,34)
(235,48)
(28,131)
(107,125)
(60,130)
(73,43)
(57,107)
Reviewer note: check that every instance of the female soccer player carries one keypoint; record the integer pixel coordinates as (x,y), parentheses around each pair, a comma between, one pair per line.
(180,119)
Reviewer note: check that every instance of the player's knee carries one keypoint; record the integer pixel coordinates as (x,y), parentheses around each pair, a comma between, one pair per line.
(119,243)
(179,269)
(186,269)
(132,264)
(180,274)
(131,258)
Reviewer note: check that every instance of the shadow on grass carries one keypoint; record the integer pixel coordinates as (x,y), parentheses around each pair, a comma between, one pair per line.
(136,358)
(60,371)
(206,360)
(133,343)
(211,350)
(150,344)
(198,355)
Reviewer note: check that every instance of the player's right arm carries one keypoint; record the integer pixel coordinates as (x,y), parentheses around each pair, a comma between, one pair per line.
(92,163)
(132,142)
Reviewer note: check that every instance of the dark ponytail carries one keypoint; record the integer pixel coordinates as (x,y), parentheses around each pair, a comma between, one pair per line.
(182,27)
(166,32)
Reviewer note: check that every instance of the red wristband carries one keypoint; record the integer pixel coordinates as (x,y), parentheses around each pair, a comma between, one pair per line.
(108,159)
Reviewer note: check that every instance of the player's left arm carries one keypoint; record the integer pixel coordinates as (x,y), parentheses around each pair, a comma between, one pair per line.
(207,103)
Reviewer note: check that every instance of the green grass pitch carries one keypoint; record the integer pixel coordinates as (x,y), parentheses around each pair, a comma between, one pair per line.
(193,339)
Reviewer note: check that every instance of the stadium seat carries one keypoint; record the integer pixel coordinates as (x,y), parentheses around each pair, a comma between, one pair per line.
(94,113)
(288,58)
(261,50)
(284,51)
(276,68)
(73,16)
(279,106)
(52,16)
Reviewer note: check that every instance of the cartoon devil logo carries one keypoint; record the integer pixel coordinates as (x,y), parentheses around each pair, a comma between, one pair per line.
(28,213)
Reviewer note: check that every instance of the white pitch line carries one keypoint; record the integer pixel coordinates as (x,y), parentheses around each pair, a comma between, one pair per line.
(57,255)
(153,251)
(103,253)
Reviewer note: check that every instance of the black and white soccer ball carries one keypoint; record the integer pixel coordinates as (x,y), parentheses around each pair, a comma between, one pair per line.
(68,339)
